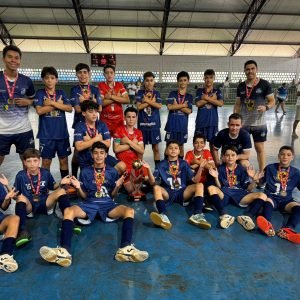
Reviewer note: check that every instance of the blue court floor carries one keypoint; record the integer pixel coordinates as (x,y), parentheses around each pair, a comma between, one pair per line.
(185,262)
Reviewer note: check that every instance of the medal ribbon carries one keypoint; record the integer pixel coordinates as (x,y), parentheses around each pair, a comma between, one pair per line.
(181,100)
(51,97)
(230,175)
(38,186)
(99,178)
(283,176)
(249,91)
(11,90)
(91,131)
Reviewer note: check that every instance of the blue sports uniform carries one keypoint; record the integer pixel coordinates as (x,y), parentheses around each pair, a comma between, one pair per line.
(241,142)
(85,157)
(23,185)
(177,123)
(149,119)
(89,95)
(15,127)
(101,206)
(207,115)
(273,186)
(3,194)
(166,180)
(282,94)
(53,129)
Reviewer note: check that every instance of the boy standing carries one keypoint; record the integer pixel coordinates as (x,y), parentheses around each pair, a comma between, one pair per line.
(180,105)
(51,105)
(282,96)
(148,104)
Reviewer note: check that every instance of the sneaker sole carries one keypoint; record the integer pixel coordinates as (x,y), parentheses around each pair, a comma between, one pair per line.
(265,226)
(201,224)
(226,224)
(9,267)
(293,238)
(50,255)
(137,257)
(157,220)
(247,224)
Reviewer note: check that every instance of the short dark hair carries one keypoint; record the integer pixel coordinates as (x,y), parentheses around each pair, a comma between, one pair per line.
(130,109)
(99,145)
(230,147)
(88,104)
(148,74)
(209,72)
(183,74)
(235,116)
(199,136)
(31,153)
(109,67)
(169,142)
(250,62)
(11,48)
(287,147)
(49,71)
(82,66)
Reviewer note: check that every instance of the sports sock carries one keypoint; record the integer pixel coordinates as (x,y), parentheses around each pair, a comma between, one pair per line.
(268,211)
(198,204)
(294,218)
(66,234)
(63,202)
(126,235)
(161,206)
(8,245)
(218,204)
(254,207)
(20,211)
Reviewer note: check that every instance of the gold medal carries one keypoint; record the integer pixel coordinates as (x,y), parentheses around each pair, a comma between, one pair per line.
(283,193)
(5,107)
(176,184)
(53,113)
(36,198)
(11,101)
(98,194)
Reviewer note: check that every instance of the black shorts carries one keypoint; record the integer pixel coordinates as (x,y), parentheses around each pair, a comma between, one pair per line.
(259,133)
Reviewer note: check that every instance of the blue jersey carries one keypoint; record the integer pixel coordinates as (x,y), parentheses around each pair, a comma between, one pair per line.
(89,95)
(14,119)
(241,142)
(88,183)
(273,186)
(3,194)
(85,157)
(207,115)
(149,117)
(240,178)
(23,184)
(52,125)
(282,93)
(164,176)
(178,120)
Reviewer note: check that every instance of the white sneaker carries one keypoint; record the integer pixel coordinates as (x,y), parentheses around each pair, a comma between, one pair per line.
(58,255)
(131,254)
(160,220)
(199,220)
(7,263)
(246,222)
(226,221)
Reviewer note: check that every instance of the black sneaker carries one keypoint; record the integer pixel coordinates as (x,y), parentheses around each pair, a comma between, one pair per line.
(23,238)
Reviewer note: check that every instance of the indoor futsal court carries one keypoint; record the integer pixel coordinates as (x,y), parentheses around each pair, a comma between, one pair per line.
(164,37)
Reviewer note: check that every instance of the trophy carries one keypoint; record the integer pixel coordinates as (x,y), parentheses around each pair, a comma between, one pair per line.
(136,179)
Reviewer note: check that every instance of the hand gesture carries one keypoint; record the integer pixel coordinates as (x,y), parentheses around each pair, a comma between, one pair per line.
(3,180)
(108,95)
(120,181)
(145,164)
(251,171)
(203,163)
(258,176)
(86,138)
(94,99)
(75,182)
(185,104)
(174,101)
(261,108)
(125,140)
(60,100)
(47,102)
(80,97)
(213,172)
(11,194)
(22,102)
(98,136)
(66,180)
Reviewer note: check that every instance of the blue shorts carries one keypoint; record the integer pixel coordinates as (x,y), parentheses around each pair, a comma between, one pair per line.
(259,133)
(279,202)
(178,136)
(233,196)
(22,141)
(151,137)
(111,161)
(208,132)
(175,196)
(49,148)
(102,209)
(40,206)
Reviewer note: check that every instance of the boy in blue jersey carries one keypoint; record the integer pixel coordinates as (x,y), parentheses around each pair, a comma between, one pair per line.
(282,96)
(16,95)
(208,99)
(34,184)
(232,184)
(180,105)
(98,185)
(148,104)
(51,105)
(173,176)
(281,179)
(80,93)
(9,226)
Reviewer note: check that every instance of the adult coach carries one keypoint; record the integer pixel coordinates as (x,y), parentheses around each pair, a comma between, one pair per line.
(254,98)
(16,95)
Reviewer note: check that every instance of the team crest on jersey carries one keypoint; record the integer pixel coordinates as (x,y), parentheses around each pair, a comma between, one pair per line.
(250,104)
(23,91)
(258,91)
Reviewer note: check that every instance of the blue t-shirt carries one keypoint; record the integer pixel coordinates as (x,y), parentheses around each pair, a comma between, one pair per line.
(207,115)
(149,117)
(240,178)
(15,119)
(165,178)
(241,142)
(85,157)
(74,100)
(23,184)
(52,125)
(282,93)
(3,194)
(177,120)
(88,183)
(273,186)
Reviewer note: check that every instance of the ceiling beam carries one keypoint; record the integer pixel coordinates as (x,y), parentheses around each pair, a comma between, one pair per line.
(81,23)
(4,35)
(254,9)
(164,26)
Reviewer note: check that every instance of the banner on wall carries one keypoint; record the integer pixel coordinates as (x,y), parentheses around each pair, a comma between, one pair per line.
(100,60)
